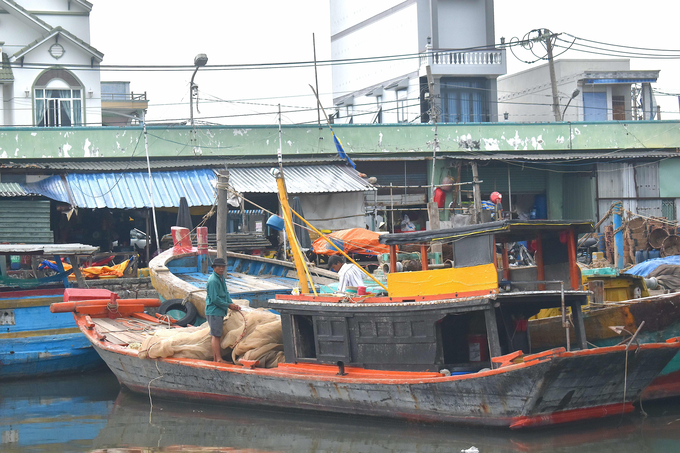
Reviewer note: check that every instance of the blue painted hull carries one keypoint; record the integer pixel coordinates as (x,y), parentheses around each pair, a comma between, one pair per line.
(35,342)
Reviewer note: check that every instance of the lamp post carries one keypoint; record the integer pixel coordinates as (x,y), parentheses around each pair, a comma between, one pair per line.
(199,61)
(574,93)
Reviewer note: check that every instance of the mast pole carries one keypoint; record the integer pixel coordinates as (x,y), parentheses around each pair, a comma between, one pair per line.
(287,220)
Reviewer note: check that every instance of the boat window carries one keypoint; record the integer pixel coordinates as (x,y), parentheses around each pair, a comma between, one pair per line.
(473,251)
(464,345)
(303,337)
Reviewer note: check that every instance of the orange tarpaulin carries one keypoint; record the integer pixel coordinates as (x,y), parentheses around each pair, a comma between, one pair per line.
(355,240)
(98,271)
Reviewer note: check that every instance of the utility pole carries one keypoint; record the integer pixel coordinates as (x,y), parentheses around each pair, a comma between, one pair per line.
(476,193)
(316,79)
(432,208)
(547,36)
(222,211)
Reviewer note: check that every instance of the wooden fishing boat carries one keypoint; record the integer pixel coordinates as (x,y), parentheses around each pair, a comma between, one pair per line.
(181,272)
(33,341)
(611,323)
(445,345)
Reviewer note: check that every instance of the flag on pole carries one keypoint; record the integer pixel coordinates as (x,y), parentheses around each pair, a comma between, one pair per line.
(341,150)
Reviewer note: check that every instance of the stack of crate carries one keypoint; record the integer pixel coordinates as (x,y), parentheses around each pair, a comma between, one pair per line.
(636,237)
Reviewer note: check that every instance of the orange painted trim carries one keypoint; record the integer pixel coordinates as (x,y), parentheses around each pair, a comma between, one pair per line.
(103,310)
(385,300)
(571,415)
(573,265)
(144,316)
(66,307)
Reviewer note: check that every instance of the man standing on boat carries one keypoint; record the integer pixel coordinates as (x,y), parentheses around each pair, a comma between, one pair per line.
(217,302)
(348,273)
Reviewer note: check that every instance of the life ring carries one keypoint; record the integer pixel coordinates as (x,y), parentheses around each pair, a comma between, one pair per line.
(171,307)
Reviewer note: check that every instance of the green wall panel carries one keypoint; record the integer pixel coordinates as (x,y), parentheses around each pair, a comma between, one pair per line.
(669,178)
(375,139)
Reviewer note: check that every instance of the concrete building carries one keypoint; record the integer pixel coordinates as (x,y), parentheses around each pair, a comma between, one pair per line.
(42,38)
(454,38)
(588,90)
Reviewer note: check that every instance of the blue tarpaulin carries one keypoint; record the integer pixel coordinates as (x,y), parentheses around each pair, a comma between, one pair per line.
(646,267)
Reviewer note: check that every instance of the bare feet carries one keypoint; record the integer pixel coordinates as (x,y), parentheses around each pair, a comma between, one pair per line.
(220,360)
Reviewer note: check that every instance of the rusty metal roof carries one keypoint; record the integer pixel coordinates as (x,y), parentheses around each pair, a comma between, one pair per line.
(95,165)
(593,156)
(299,179)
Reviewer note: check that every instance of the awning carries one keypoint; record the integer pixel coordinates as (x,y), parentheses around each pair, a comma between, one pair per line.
(130,190)
(299,179)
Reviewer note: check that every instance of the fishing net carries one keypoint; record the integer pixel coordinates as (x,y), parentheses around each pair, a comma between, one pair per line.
(262,340)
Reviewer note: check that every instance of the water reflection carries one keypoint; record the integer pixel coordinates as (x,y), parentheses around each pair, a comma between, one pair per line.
(49,414)
(174,424)
(89,414)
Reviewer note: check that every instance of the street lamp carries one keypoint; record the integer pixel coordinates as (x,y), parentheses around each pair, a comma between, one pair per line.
(199,61)
(575,93)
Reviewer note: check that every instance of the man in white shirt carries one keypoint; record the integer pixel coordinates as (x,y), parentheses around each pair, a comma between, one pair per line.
(348,274)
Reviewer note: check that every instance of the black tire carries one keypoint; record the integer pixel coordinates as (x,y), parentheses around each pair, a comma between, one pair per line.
(176,304)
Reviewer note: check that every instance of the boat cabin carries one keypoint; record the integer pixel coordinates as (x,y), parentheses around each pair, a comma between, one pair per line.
(458,316)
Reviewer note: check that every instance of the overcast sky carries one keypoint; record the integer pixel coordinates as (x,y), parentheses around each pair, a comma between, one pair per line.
(172,32)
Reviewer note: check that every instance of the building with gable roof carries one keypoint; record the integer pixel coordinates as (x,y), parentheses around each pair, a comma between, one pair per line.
(37,89)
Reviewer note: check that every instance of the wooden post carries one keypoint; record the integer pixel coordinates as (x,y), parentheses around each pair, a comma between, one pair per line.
(573,266)
(540,270)
(393,258)
(76,272)
(578,325)
(492,332)
(222,211)
(423,256)
(506,261)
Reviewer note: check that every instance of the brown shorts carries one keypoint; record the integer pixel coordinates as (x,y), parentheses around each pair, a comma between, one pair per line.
(215,323)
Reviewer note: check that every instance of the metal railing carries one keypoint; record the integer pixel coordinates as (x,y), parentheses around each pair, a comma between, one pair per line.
(455,57)
(124,96)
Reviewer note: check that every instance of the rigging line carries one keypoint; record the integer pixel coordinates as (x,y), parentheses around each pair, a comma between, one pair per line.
(618,55)
(620,45)
(117,181)
(625,52)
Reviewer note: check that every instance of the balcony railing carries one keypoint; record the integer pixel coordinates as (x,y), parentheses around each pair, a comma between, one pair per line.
(124,96)
(456,57)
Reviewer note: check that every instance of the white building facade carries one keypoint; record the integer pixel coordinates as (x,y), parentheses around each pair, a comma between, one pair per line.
(47,71)
(388,46)
(588,90)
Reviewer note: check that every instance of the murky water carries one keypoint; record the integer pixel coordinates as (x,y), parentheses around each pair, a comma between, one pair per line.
(90,413)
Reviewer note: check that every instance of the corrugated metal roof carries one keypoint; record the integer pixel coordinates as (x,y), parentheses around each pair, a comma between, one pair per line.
(130,190)
(299,179)
(95,165)
(52,187)
(12,189)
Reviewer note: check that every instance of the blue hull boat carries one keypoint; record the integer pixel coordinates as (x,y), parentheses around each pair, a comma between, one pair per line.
(35,342)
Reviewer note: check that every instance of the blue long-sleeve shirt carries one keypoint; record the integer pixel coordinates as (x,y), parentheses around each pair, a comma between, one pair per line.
(218,300)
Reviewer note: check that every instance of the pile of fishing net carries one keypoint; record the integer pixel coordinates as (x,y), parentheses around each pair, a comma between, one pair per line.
(262,340)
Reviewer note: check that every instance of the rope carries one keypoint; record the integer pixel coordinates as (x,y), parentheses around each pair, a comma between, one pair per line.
(149,387)
(245,326)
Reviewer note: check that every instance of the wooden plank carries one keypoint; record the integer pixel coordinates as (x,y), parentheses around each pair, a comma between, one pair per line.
(492,332)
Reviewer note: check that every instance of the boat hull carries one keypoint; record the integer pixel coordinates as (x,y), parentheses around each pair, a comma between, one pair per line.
(661,315)
(35,342)
(562,388)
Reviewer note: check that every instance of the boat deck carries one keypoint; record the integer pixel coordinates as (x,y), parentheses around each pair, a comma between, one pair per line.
(124,331)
